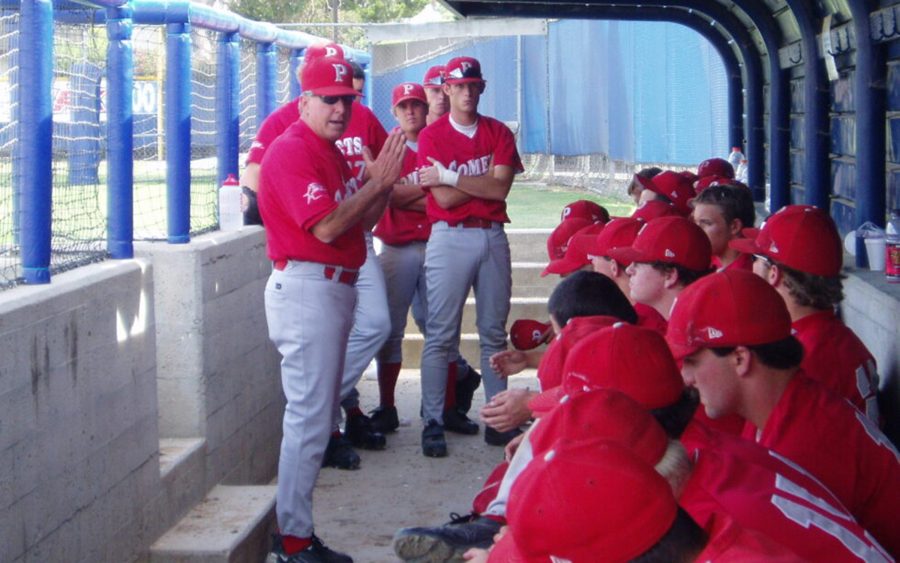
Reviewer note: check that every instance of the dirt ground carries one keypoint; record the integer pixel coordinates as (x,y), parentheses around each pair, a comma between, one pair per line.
(357,512)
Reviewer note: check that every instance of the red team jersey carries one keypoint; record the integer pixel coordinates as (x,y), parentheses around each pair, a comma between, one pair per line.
(550,370)
(402,226)
(492,145)
(272,126)
(729,542)
(296,193)
(742,262)
(769,494)
(837,358)
(838,444)
(364,130)
(648,317)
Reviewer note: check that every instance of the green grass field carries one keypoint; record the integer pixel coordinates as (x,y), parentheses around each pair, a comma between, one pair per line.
(539,206)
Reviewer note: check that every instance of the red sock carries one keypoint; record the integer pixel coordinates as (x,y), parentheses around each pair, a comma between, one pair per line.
(355,411)
(336,434)
(450,395)
(293,544)
(387,382)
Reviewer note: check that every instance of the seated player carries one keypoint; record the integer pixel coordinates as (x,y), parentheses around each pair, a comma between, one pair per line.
(722,212)
(635,187)
(670,187)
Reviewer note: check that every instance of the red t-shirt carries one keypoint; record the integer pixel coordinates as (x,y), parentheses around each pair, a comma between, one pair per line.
(272,126)
(364,130)
(550,369)
(838,444)
(742,262)
(303,179)
(402,226)
(769,494)
(835,357)
(729,542)
(648,317)
(492,145)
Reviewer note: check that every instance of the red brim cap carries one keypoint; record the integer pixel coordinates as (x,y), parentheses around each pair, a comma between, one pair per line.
(626,255)
(564,266)
(334,91)
(745,245)
(546,401)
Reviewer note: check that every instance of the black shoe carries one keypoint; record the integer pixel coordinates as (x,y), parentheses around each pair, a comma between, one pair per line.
(316,553)
(340,454)
(361,434)
(447,542)
(465,389)
(496,438)
(384,419)
(456,421)
(433,442)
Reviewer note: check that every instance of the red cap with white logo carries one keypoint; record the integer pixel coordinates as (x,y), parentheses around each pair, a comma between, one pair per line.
(672,240)
(801,237)
(677,188)
(558,240)
(463,69)
(407,91)
(328,76)
(585,209)
(654,209)
(528,334)
(728,308)
(434,77)
(322,50)
(715,167)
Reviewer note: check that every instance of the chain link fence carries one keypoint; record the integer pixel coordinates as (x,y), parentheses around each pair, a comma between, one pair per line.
(9,133)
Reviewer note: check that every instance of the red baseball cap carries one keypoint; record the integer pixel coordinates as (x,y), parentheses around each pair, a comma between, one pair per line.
(728,308)
(673,240)
(551,369)
(558,240)
(528,334)
(801,237)
(604,414)
(674,186)
(434,77)
(407,91)
(577,252)
(586,209)
(630,359)
(321,50)
(654,209)
(619,232)
(715,167)
(589,502)
(461,70)
(710,181)
(328,76)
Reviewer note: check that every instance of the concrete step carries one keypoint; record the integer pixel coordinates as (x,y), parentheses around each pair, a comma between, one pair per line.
(413,344)
(527,280)
(520,308)
(182,468)
(231,525)
(528,245)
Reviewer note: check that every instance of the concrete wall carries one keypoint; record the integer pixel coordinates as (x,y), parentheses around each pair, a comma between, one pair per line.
(871,308)
(78,425)
(218,372)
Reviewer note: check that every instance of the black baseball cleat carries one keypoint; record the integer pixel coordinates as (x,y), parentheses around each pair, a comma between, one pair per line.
(456,421)
(496,438)
(361,434)
(340,454)
(384,419)
(445,543)
(465,389)
(433,442)
(315,553)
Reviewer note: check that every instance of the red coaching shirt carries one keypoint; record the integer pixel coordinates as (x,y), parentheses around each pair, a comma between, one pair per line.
(403,226)
(492,145)
(364,130)
(838,444)
(765,492)
(837,358)
(302,180)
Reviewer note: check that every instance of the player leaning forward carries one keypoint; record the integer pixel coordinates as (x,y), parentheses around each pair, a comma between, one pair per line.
(313,208)
(468,161)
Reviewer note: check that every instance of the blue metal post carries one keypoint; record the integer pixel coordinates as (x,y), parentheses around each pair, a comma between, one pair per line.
(120,132)
(36,137)
(228,105)
(296,61)
(178,132)
(84,146)
(266,59)
(868,81)
(367,89)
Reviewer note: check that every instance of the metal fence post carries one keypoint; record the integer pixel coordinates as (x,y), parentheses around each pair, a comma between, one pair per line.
(120,131)
(228,109)
(178,132)
(36,137)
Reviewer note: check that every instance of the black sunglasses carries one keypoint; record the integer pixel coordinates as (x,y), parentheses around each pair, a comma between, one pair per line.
(331,100)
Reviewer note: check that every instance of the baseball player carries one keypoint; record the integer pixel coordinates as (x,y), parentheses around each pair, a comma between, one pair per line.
(670,187)
(438,104)
(732,331)
(800,254)
(314,209)
(635,187)
(723,211)
(467,166)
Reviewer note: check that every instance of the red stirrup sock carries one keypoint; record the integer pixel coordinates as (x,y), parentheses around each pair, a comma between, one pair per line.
(387,382)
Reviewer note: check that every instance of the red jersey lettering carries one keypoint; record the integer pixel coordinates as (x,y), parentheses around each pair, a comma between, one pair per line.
(403,226)
(364,130)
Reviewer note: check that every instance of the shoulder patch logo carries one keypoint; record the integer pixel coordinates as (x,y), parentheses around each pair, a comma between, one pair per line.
(313,192)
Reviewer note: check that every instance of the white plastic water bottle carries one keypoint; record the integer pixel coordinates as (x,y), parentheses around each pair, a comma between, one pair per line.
(741,173)
(230,216)
(735,157)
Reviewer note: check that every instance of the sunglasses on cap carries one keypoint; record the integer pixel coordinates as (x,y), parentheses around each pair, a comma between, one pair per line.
(331,100)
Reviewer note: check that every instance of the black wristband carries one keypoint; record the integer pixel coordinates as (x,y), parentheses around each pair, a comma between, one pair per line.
(251,214)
